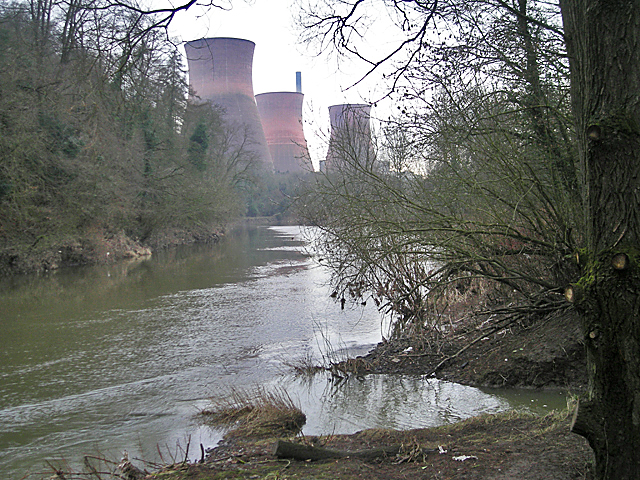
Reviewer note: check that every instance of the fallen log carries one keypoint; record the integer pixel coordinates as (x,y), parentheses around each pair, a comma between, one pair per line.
(298,451)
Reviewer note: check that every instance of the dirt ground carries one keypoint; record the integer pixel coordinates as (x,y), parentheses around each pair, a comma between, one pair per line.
(507,446)
(546,354)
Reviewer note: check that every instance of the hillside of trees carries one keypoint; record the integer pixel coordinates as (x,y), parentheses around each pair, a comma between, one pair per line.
(100,153)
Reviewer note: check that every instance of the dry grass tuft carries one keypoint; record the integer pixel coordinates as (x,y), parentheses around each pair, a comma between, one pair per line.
(304,367)
(256,413)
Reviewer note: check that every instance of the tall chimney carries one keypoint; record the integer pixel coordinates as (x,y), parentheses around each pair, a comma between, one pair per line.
(281,114)
(220,72)
(350,139)
(299,82)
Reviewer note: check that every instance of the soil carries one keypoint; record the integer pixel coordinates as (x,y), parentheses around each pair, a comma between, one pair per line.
(546,354)
(506,446)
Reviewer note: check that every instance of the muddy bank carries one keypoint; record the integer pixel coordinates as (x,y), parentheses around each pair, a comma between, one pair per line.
(95,247)
(548,353)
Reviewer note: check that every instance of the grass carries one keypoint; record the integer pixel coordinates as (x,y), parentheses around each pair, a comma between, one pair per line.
(304,366)
(255,413)
(513,440)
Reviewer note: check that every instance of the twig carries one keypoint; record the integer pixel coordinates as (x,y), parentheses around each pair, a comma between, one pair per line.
(466,347)
(186,453)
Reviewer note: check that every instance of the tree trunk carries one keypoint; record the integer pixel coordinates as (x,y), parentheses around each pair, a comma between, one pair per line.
(603,42)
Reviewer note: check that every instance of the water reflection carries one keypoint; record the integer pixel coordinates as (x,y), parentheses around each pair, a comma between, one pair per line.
(538,401)
(108,358)
(389,401)
(103,359)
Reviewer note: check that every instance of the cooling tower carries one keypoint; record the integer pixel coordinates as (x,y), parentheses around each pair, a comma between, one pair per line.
(281,115)
(220,72)
(350,141)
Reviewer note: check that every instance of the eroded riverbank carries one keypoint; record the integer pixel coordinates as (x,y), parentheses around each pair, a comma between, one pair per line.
(547,354)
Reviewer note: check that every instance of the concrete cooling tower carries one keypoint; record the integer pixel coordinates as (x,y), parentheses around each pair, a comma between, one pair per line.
(220,72)
(281,114)
(350,141)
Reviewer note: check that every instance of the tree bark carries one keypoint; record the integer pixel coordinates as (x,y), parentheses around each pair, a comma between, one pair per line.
(603,42)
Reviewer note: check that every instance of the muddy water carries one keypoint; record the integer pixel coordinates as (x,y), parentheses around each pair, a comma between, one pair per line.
(105,359)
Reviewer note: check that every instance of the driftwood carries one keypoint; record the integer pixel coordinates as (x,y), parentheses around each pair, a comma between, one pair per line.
(298,451)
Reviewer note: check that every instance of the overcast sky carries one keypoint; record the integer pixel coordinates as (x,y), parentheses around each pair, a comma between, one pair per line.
(269,24)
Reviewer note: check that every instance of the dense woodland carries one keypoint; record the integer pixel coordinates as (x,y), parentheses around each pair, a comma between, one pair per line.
(98,143)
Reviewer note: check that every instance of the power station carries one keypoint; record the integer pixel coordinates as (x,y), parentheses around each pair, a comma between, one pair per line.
(281,114)
(350,144)
(220,72)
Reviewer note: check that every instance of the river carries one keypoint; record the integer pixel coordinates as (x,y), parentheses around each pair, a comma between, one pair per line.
(98,360)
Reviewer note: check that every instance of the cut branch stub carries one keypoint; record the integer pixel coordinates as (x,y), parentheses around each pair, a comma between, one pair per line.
(573,293)
(585,420)
(594,132)
(620,261)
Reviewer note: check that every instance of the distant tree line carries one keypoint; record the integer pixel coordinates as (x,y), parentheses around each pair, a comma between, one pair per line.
(96,133)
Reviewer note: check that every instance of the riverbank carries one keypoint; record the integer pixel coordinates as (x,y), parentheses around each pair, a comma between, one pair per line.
(399,355)
(547,354)
(507,446)
(100,247)
(94,247)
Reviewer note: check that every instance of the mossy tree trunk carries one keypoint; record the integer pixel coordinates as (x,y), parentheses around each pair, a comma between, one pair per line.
(603,41)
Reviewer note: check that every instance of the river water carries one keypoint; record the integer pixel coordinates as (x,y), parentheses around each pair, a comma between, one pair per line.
(98,360)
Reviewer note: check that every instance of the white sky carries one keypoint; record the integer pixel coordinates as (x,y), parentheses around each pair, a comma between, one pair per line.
(270,25)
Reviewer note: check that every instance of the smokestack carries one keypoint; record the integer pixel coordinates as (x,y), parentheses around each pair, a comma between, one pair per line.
(281,114)
(299,82)
(220,72)
(350,140)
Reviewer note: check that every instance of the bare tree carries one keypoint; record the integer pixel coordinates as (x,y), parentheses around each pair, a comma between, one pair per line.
(482,177)
(602,42)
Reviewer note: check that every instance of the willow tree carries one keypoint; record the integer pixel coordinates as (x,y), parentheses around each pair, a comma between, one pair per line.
(602,40)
